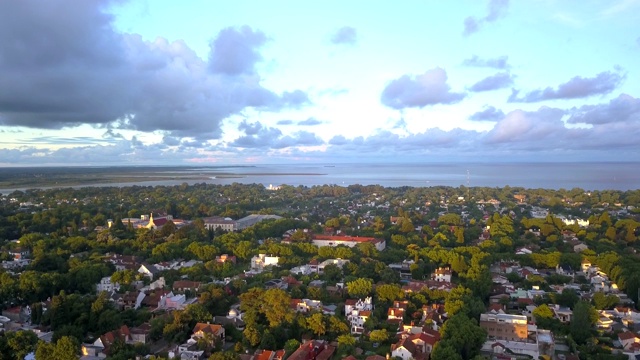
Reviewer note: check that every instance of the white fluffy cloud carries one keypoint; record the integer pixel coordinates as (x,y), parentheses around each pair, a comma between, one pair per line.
(421,90)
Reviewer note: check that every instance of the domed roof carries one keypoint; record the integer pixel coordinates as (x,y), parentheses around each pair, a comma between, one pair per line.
(232,313)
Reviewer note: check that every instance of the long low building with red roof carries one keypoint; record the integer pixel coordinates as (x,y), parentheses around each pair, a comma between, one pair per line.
(350,241)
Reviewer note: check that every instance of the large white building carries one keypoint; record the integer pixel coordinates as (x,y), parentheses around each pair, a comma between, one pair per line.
(228,224)
(350,241)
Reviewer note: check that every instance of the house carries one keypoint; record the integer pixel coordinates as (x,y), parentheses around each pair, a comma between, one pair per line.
(180,286)
(104,342)
(628,339)
(524,251)
(148,270)
(276,284)
(268,355)
(226,258)
(337,262)
(306,305)
(13,313)
(425,341)
(580,247)
(261,261)
(406,350)
(141,334)
(105,284)
(209,332)
(20,253)
(504,326)
(187,351)
(357,313)
(233,318)
(565,270)
(173,302)
(124,262)
(562,313)
(441,275)
(313,350)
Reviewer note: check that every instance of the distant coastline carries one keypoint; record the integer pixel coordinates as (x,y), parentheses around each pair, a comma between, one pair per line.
(587,176)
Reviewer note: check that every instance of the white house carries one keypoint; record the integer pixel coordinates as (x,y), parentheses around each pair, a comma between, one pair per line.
(261,261)
(148,270)
(357,313)
(105,284)
(442,275)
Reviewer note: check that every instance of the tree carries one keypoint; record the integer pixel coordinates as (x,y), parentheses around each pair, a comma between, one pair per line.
(224,355)
(461,299)
(268,341)
(316,324)
(291,345)
(18,344)
(406,226)
(275,305)
(584,317)
(603,302)
(360,287)
(445,351)
(379,336)
(64,349)
(463,335)
(389,292)
(542,312)
(252,335)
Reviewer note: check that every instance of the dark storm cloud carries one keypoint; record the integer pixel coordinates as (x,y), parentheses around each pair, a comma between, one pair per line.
(577,87)
(493,82)
(496,10)
(623,109)
(429,88)
(345,35)
(235,51)
(263,137)
(170,141)
(65,68)
(110,134)
(58,140)
(250,128)
(310,122)
(500,62)
(489,113)
(300,138)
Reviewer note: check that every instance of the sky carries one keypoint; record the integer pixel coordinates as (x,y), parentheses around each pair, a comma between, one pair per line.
(198,82)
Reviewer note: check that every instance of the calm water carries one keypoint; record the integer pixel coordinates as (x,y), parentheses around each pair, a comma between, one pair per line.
(588,176)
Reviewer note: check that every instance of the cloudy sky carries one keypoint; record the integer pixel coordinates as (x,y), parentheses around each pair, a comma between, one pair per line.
(234,82)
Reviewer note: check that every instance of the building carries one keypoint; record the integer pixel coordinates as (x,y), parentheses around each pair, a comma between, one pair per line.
(209,332)
(441,275)
(313,350)
(148,270)
(217,222)
(357,313)
(505,326)
(261,261)
(105,284)
(228,224)
(350,241)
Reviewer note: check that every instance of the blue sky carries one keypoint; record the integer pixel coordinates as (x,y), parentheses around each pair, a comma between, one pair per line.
(237,82)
